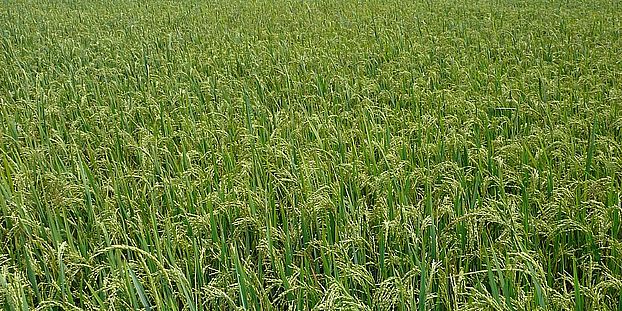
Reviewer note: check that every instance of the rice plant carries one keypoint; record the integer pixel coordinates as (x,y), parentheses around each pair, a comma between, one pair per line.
(310,155)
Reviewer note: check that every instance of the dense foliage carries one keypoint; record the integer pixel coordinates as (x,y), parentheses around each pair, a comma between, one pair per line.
(311,154)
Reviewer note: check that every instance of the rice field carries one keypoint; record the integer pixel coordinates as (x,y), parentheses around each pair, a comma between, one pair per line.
(311,155)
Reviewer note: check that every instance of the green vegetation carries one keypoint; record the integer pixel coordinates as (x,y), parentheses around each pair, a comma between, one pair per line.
(316,154)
